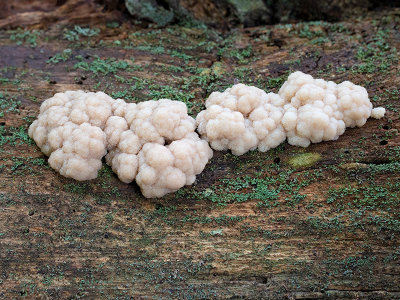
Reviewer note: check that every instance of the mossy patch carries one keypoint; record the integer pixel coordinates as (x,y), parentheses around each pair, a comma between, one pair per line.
(304,160)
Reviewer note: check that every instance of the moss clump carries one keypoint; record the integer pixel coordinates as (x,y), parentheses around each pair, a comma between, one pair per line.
(304,160)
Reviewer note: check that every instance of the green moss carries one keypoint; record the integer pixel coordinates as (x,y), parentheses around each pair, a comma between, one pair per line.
(269,191)
(276,82)
(102,66)
(306,32)
(77,32)
(377,55)
(352,266)
(78,188)
(25,37)
(154,49)
(14,136)
(221,220)
(8,104)
(304,160)
(60,57)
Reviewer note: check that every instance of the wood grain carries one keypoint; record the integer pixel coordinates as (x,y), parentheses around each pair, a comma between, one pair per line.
(251,227)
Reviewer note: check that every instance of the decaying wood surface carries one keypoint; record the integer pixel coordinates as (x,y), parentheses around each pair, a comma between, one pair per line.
(41,14)
(292,223)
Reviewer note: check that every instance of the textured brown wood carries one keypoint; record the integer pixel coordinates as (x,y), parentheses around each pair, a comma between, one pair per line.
(40,14)
(274,225)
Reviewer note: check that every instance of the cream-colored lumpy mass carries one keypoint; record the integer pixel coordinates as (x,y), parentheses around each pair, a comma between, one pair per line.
(166,168)
(155,142)
(242,118)
(317,110)
(76,130)
(69,129)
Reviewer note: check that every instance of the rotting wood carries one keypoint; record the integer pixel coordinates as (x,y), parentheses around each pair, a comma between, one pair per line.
(252,226)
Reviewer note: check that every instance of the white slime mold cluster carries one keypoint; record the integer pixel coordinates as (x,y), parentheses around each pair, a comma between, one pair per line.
(155,143)
(306,110)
